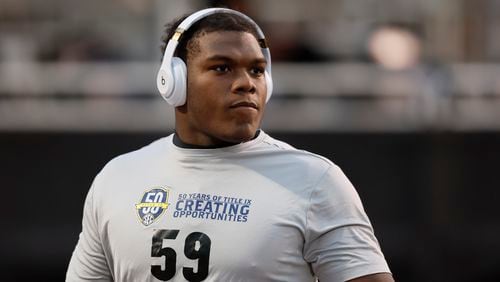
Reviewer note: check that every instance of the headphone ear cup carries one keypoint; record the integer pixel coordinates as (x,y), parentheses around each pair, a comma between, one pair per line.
(164,82)
(269,85)
(179,75)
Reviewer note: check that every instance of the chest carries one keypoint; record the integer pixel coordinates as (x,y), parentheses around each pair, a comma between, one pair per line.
(222,230)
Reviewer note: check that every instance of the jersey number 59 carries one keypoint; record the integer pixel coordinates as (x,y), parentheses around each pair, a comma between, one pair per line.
(196,246)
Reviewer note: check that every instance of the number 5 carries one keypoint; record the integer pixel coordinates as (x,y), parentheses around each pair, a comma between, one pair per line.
(202,253)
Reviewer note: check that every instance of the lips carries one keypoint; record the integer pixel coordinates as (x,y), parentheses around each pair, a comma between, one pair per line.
(244,104)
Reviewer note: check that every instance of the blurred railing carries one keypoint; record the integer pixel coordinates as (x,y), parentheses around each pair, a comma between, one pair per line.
(307,97)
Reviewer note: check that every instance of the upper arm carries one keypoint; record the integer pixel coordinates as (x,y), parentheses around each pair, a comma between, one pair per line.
(88,261)
(340,242)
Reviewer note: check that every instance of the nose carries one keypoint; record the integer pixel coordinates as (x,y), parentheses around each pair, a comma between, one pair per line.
(243,83)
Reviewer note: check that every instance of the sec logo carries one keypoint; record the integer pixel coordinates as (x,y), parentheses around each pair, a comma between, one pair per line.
(152,205)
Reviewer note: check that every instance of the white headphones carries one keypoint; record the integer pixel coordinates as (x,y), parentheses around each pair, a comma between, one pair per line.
(172,76)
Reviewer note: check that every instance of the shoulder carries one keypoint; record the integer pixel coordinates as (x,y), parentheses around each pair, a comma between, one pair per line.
(282,153)
(137,160)
(282,148)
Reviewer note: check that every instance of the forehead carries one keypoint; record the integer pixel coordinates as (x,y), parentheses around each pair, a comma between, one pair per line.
(230,44)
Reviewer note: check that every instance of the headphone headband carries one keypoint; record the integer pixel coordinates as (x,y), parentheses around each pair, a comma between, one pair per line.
(171,78)
(193,18)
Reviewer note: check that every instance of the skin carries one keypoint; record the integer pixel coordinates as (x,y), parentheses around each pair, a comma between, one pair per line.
(226,96)
(378,277)
(226,90)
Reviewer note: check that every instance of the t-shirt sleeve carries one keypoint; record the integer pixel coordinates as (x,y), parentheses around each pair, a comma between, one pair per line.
(339,241)
(88,262)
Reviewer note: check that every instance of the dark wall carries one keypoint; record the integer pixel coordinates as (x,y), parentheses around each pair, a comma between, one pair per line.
(432,197)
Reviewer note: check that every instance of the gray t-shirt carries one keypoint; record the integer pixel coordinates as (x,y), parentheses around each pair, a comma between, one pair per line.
(257,211)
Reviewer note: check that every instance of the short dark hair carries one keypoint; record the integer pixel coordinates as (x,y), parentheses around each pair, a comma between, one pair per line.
(216,22)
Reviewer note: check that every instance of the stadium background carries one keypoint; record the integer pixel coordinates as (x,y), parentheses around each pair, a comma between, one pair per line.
(404,95)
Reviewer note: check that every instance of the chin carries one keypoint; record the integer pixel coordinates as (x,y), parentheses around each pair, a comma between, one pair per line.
(241,135)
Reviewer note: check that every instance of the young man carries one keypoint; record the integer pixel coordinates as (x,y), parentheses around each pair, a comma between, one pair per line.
(220,200)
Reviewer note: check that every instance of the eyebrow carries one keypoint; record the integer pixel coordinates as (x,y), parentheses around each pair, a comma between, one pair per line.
(229,59)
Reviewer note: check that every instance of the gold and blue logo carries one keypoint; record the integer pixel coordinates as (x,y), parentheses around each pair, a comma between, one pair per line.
(152,205)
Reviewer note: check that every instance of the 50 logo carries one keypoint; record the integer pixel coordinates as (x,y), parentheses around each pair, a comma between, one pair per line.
(153,203)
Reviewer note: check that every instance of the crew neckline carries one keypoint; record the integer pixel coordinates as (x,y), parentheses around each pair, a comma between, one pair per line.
(217,151)
(181,144)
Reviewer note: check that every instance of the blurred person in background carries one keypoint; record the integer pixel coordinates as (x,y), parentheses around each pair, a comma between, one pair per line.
(398,47)
(221,200)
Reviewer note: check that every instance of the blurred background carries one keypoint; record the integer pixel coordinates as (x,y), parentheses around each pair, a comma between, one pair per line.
(404,95)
